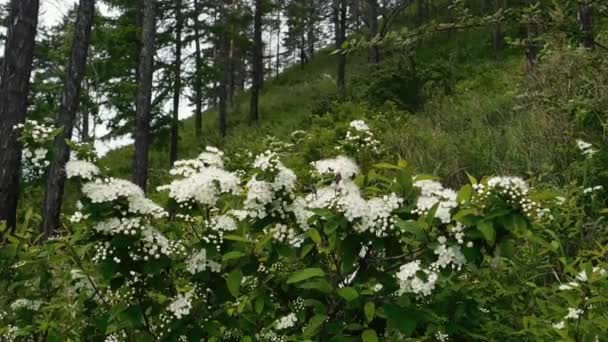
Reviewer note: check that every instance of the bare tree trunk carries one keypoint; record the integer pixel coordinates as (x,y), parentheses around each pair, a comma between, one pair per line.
(373,30)
(278,61)
(70,101)
(257,63)
(222,62)
(498,37)
(341,37)
(144,95)
(198,84)
(585,18)
(177,85)
(14,90)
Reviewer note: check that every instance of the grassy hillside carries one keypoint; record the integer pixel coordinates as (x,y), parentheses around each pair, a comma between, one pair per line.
(475,114)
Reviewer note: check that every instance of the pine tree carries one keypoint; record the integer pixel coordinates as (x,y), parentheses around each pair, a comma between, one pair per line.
(67,113)
(177,82)
(14,90)
(144,94)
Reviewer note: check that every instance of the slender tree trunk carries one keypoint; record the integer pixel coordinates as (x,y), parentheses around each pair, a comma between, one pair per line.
(223,63)
(70,101)
(341,37)
(498,36)
(373,30)
(177,85)
(198,84)
(585,18)
(278,60)
(86,116)
(257,63)
(14,90)
(144,95)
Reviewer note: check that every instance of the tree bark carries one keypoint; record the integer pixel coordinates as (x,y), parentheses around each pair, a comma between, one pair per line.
(585,18)
(222,63)
(198,83)
(144,95)
(341,38)
(498,36)
(70,101)
(177,84)
(14,90)
(373,30)
(257,63)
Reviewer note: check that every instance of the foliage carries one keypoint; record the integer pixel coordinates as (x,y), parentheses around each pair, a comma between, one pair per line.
(246,250)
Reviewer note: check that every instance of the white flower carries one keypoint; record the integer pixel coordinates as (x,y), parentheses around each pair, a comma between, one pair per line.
(359,125)
(28,304)
(80,168)
(198,263)
(110,189)
(586,148)
(204,187)
(573,313)
(181,305)
(286,322)
(571,285)
(559,325)
(433,193)
(341,165)
(509,183)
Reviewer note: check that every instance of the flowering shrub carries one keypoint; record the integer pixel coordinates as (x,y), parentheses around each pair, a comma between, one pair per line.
(255,253)
(37,140)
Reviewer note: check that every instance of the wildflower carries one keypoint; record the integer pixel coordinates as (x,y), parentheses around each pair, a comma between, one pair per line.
(340,166)
(286,322)
(80,168)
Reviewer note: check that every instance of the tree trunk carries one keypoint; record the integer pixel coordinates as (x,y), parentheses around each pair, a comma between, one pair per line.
(14,90)
(257,63)
(198,84)
(70,101)
(223,63)
(177,85)
(278,60)
(144,95)
(373,30)
(341,37)
(585,18)
(498,36)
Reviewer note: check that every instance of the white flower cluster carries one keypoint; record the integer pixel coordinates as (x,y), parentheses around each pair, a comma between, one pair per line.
(410,282)
(286,322)
(36,139)
(379,217)
(447,256)
(117,226)
(359,136)
(341,166)
(217,226)
(204,187)
(270,197)
(111,189)
(586,148)
(433,193)
(583,277)
(210,157)
(198,263)
(593,189)
(26,304)
(513,190)
(573,314)
(154,244)
(284,234)
(182,304)
(82,169)
(117,337)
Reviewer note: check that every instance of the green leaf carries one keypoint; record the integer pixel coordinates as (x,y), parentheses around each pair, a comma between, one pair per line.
(234,282)
(369,335)
(315,236)
(348,293)
(321,285)
(314,326)
(465,194)
(387,166)
(304,274)
(472,179)
(259,305)
(487,230)
(412,227)
(370,310)
(233,255)
(233,237)
(400,318)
